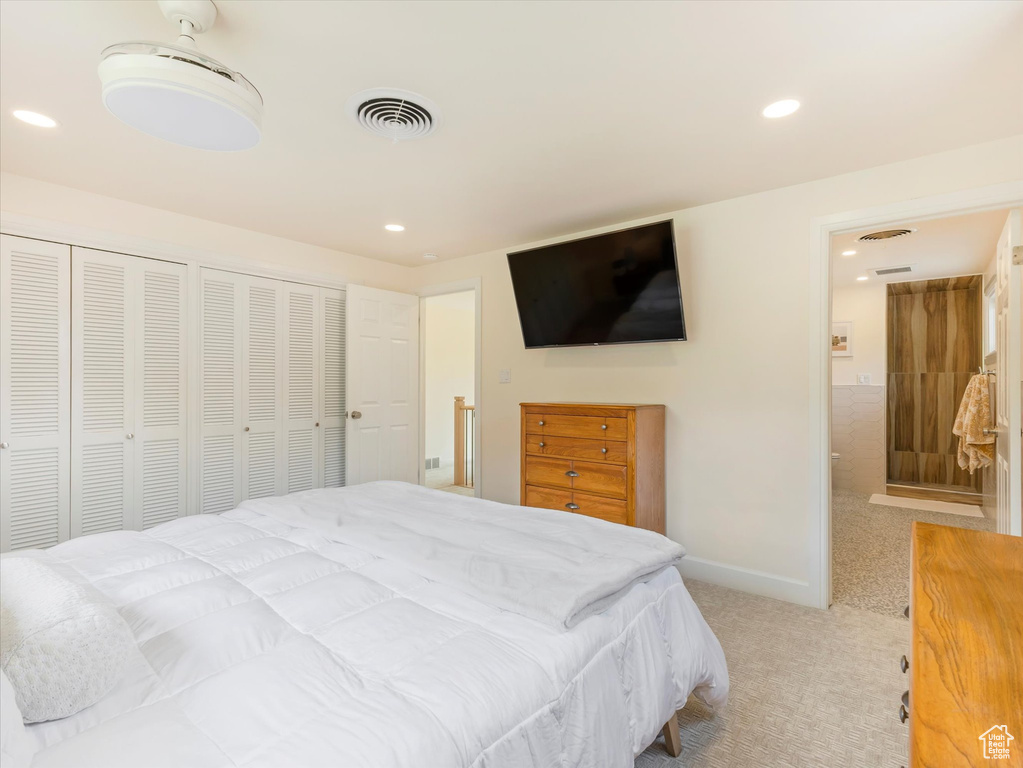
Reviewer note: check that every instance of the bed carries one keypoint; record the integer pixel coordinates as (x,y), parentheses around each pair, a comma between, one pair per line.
(385,625)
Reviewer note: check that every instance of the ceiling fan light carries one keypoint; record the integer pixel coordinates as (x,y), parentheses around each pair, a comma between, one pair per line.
(180,96)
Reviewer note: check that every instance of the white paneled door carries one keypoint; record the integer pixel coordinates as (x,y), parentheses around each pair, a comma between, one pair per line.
(383,380)
(1009,379)
(35,397)
(128,433)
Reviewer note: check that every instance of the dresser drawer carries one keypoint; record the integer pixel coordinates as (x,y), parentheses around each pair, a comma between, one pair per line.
(592,427)
(586,476)
(577,448)
(613,510)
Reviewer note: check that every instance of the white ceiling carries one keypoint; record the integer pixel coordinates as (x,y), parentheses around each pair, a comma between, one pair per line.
(958,245)
(558,116)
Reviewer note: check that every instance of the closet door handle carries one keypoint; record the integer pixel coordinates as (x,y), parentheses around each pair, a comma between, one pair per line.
(246,429)
(356,414)
(5,445)
(572,473)
(130,435)
(570,505)
(317,424)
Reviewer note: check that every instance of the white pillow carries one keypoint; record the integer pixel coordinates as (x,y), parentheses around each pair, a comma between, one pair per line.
(62,645)
(16,747)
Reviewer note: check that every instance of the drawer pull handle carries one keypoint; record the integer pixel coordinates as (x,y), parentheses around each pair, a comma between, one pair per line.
(906,612)
(572,473)
(603,426)
(541,423)
(570,505)
(903,714)
(603,450)
(542,445)
(905,700)
(904,664)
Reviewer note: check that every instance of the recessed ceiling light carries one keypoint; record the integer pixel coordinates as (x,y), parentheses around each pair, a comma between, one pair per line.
(848,253)
(394,227)
(34,118)
(861,278)
(781,108)
(430,256)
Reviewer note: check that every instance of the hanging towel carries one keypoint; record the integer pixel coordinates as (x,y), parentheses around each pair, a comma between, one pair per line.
(976,450)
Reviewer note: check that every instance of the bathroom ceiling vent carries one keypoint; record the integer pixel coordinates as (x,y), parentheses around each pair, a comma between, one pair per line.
(394,114)
(892,270)
(885,234)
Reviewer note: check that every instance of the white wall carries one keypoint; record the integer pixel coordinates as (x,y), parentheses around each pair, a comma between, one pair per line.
(866,306)
(24,197)
(737,391)
(449,323)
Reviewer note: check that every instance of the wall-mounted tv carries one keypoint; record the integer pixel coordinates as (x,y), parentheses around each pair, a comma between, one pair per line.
(616,288)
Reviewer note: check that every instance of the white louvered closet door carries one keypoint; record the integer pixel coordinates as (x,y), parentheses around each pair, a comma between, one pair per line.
(220,363)
(332,404)
(102,388)
(303,381)
(35,397)
(160,492)
(262,388)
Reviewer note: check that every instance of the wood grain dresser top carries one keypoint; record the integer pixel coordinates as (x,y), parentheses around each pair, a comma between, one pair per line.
(966,664)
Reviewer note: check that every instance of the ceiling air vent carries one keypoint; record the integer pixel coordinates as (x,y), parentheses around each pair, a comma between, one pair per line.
(885,234)
(891,271)
(394,114)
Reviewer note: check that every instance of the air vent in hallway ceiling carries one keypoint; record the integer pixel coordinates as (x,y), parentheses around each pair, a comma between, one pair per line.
(885,234)
(892,271)
(394,114)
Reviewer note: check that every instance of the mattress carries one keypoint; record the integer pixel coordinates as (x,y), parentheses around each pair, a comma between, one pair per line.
(263,643)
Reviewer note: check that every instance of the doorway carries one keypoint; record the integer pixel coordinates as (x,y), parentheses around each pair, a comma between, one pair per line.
(909,344)
(449,321)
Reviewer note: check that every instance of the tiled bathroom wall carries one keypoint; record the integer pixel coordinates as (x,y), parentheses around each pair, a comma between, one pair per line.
(857,434)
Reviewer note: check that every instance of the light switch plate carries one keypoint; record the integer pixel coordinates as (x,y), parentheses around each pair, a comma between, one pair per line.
(862,378)
(504,376)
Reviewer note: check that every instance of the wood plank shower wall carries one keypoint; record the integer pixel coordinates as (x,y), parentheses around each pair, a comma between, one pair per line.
(934,346)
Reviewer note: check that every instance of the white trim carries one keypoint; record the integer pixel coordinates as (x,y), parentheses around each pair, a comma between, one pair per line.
(132,245)
(474,284)
(748,580)
(1007,195)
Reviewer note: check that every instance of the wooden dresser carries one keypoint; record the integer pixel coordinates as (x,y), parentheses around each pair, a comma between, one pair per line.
(600,460)
(966,648)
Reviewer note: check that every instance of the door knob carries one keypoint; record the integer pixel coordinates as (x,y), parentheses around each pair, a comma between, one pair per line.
(130,435)
(356,414)
(5,445)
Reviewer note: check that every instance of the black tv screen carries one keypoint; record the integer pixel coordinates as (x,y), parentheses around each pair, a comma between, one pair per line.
(617,288)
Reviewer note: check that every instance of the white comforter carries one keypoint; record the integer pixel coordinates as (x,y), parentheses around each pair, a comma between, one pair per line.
(263,643)
(558,568)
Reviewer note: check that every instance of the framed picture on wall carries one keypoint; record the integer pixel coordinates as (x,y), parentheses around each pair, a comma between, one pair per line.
(841,339)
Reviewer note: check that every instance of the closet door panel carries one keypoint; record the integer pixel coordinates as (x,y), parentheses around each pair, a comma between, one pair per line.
(262,449)
(302,386)
(220,304)
(160,420)
(102,390)
(35,398)
(332,408)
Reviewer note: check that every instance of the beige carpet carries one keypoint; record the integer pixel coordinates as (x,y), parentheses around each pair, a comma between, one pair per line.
(809,688)
(870,550)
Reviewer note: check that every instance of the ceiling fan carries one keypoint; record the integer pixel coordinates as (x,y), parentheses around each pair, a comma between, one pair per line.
(176,93)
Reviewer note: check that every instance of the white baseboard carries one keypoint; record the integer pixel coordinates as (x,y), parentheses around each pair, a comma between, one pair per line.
(748,580)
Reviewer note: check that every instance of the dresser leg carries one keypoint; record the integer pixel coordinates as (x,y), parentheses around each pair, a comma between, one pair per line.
(672,737)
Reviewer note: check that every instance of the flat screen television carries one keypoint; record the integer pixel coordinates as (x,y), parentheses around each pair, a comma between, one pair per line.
(616,288)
